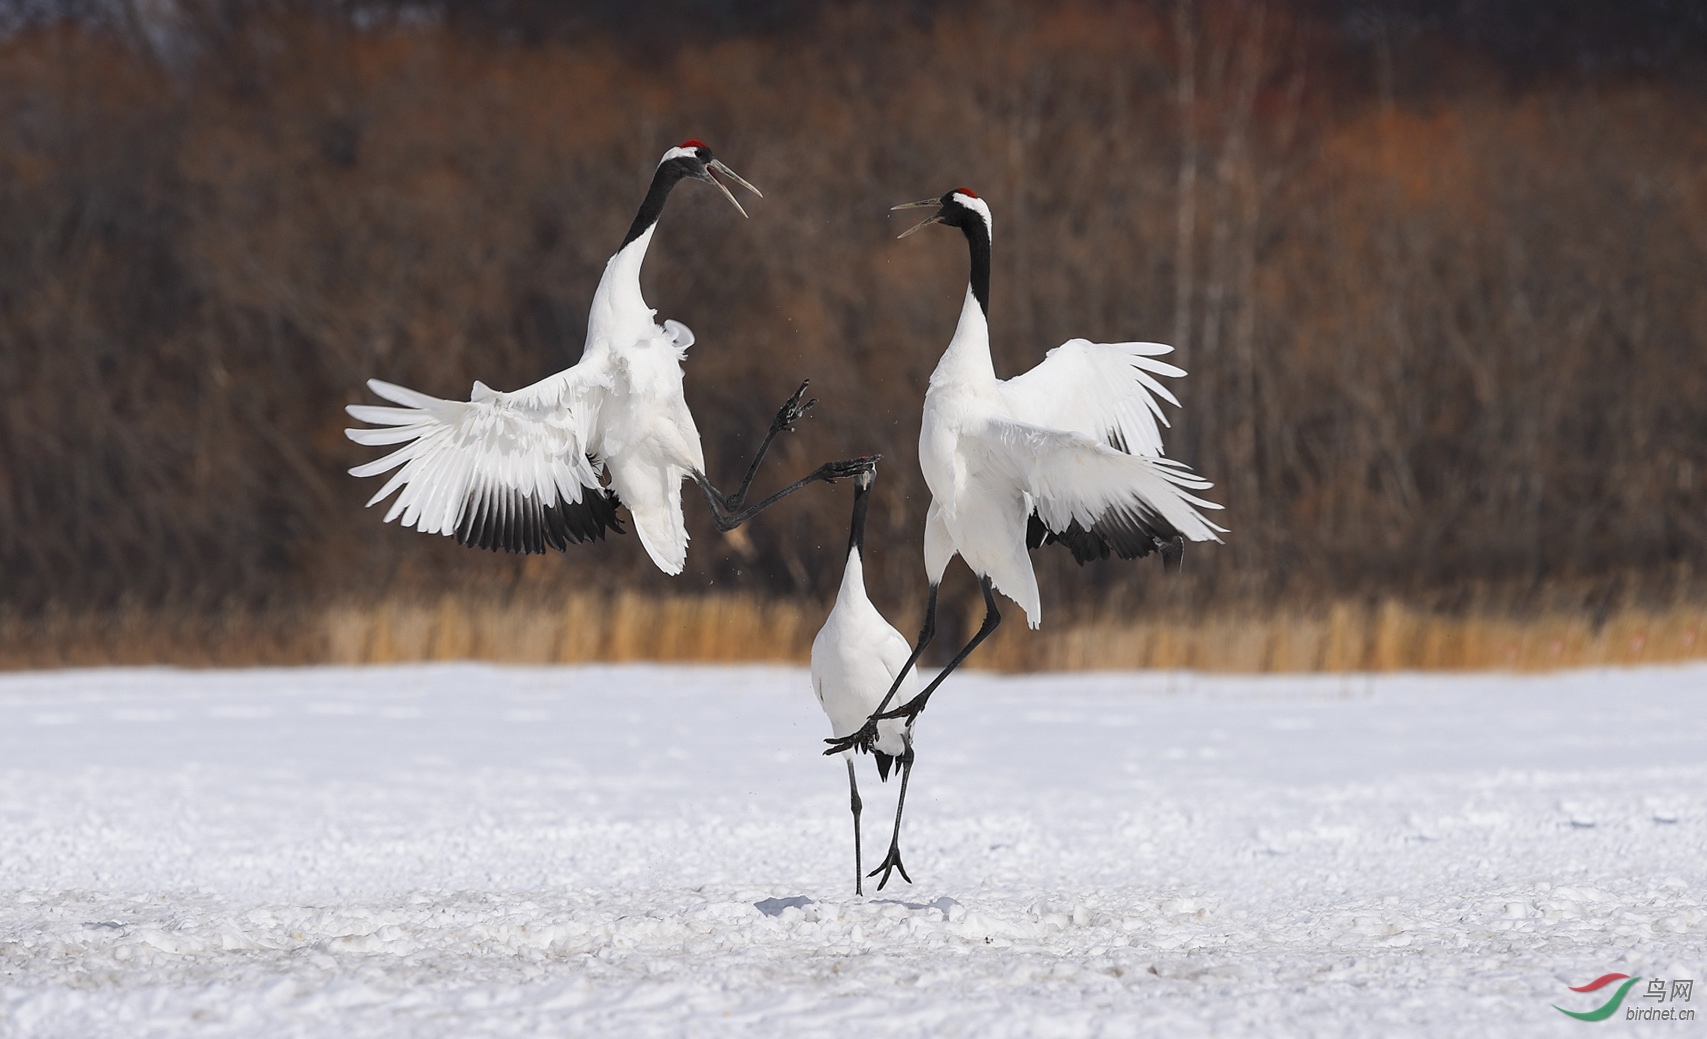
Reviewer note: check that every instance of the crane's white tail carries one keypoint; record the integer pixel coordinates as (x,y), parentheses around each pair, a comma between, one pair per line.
(654,499)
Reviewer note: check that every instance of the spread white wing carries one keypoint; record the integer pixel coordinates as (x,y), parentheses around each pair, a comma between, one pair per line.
(501,470)
(1096,498)
(1107,391)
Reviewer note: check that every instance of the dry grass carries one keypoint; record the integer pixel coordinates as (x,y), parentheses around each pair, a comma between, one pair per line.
(1343,637)
(1389,637)
(578,629)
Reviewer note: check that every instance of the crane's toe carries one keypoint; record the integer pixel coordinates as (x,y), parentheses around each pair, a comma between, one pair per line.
(793,409)
(909,711)
(830,472)
(891,864)
(862,740)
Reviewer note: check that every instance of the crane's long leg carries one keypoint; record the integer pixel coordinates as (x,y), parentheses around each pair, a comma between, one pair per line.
(853,797)
(791,410)
(866,735)
(829,472)
(729,511)
(892,861)
(992,619)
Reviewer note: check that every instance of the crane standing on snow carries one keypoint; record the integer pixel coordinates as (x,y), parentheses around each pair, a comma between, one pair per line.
(520,471)
(1068,452)
(856,658)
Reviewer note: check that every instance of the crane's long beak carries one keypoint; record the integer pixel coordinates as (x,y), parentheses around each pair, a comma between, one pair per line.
(923,203)
(717,165)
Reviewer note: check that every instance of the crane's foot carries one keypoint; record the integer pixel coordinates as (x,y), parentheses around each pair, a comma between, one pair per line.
(830,472)
(908,711)
(861,740)
(792,411)
(891,863)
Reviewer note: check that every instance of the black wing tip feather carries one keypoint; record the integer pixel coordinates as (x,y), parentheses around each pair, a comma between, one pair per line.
(1126,535)
(524,524)
(884,763)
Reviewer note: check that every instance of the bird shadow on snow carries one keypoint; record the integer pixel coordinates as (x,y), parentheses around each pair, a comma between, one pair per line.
(775,906)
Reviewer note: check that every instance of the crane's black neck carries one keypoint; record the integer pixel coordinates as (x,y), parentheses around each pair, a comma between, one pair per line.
(669,174)
(862,502)
(978,240)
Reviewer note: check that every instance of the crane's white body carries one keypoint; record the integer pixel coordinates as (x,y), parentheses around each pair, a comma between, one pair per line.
(619,409)
(1076,439)
(856,657)
(648,438)
(858,660)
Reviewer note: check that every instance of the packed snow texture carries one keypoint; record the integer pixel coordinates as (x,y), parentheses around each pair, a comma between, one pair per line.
(660,851)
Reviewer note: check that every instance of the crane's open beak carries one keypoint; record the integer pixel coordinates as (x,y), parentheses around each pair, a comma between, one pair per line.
(923,203)
(718,166)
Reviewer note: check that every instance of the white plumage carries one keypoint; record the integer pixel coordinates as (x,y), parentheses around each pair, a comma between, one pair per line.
(1076,441)
(856,657)
(522,470)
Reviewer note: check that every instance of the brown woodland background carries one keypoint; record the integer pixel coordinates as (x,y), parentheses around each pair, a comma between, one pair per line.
(1437,277)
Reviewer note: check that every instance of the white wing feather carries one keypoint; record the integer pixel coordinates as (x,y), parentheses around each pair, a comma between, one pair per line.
(458,455)
(1073,476)
(1106,391)
(680,334)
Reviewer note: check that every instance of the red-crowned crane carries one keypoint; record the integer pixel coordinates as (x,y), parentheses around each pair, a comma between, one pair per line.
(1069,452)
(856,657)
(520,471)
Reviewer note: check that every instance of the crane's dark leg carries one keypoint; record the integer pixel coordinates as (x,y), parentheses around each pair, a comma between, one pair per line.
(730,511)
(892,861)
(829,472)
(992,619)
(786,416)
(853,797)
(867,733)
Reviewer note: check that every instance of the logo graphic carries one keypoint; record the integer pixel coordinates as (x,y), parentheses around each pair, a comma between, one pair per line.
(1607,1009)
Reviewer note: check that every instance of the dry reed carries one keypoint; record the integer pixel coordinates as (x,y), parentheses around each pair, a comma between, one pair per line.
(1388,636)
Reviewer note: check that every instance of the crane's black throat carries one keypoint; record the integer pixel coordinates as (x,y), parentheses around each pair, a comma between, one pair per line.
(978,241)
(861,505)
(669,174)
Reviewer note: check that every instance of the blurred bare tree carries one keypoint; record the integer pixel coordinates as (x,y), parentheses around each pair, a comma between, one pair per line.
(1443,311)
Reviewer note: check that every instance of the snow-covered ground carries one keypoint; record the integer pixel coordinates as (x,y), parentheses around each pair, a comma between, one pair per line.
(659,851)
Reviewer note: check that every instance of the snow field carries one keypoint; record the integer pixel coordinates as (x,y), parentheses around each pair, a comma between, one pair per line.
(637,851)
